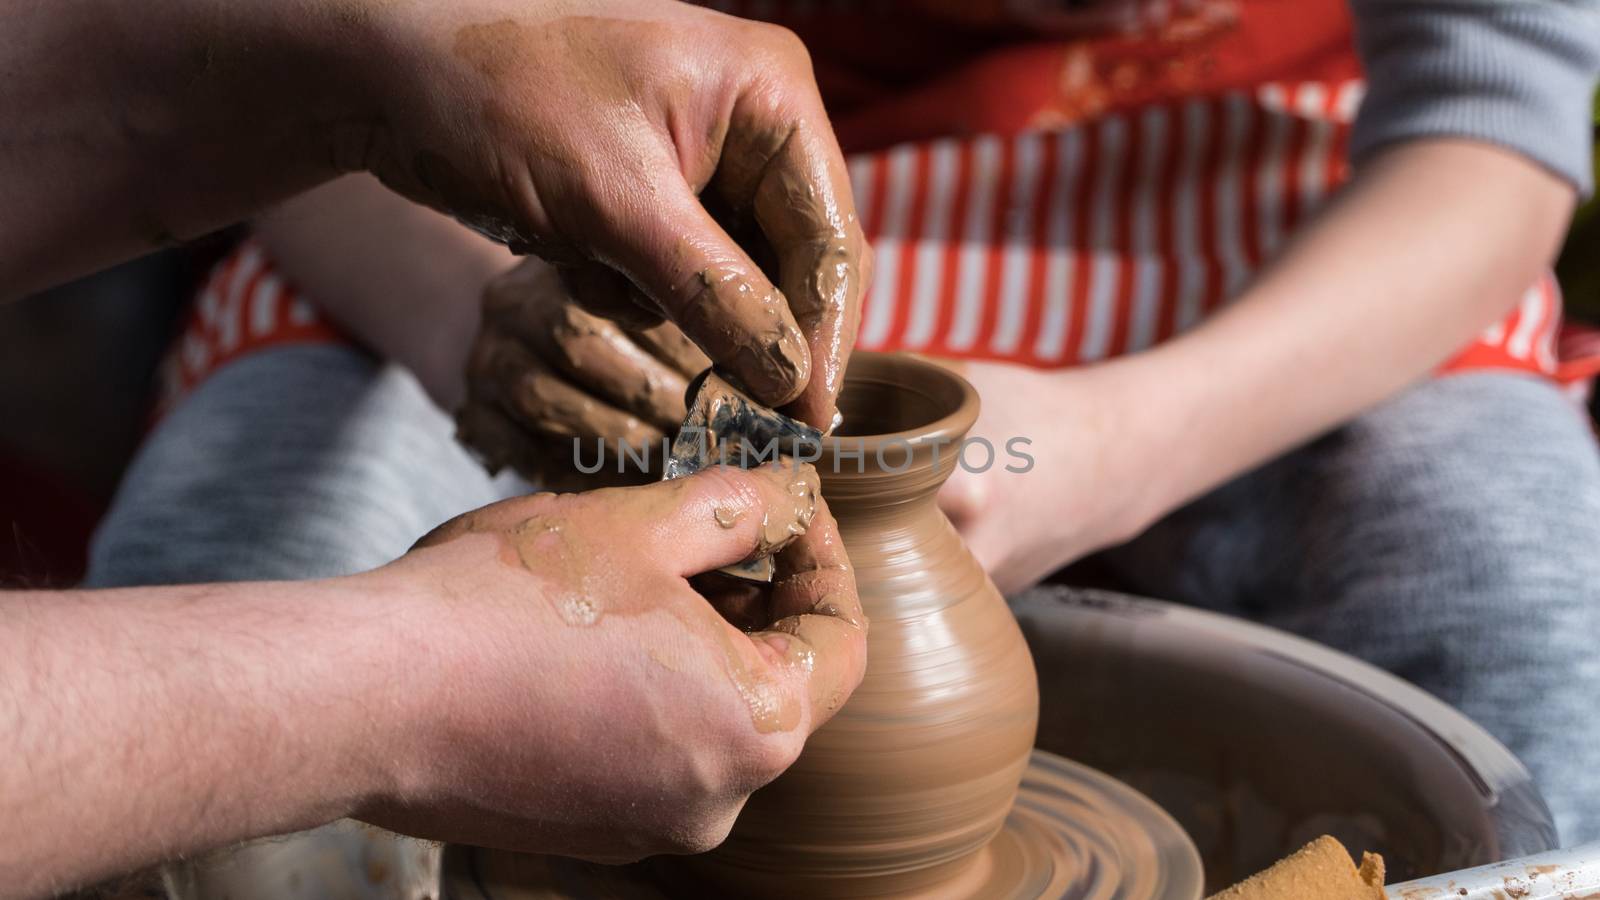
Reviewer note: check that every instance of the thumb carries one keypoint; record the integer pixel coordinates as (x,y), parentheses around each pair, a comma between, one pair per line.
(723,515)
(821,629)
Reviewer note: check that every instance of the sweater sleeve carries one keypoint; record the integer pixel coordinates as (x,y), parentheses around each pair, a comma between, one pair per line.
(1516,73)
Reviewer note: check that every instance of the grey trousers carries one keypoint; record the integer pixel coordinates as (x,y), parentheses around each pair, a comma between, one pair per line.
(1451,536)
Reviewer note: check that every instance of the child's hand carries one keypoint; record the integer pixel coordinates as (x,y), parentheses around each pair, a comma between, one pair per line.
(545,373)
(1078,492)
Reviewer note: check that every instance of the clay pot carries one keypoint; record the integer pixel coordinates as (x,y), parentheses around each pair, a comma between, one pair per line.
(918,771)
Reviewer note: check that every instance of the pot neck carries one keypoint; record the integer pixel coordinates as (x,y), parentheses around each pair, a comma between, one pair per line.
(875,474)
(904,420)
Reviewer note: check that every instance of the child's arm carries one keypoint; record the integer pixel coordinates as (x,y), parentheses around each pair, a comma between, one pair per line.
(1430,243)
(1470,147)
(400,278)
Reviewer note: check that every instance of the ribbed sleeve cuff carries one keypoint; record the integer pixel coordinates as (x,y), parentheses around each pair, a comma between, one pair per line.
(1519,74)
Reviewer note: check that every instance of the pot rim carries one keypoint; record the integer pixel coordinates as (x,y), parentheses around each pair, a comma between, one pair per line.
(910,373)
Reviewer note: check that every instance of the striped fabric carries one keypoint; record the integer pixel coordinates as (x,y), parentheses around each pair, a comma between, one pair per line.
(242,306)
(1063,247)
(1049,202)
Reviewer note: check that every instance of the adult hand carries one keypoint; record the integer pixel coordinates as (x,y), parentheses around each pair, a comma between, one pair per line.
(1071,487)
(584,699)
(547,380)
(665,156)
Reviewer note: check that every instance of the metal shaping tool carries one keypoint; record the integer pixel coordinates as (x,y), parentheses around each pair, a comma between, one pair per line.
(725,426)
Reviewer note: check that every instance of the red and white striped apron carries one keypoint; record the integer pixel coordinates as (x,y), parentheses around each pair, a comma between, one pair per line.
(1044,202)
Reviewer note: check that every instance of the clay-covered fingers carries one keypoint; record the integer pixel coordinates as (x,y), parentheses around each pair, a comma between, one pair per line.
(532,303)
(670,345)
(521,411)
(803,203)
(707,285)
(539,398)
(818,616)
(723,515)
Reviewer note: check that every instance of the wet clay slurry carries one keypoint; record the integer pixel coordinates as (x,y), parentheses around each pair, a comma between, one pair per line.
(908,791)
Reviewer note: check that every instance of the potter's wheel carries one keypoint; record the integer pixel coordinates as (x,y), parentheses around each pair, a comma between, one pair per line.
(1072,833)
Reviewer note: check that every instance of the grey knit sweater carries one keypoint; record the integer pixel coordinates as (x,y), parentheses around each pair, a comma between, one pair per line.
(1517,73)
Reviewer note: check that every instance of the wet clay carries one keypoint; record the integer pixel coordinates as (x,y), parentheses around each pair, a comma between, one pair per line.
(544,402)
(800,195)
(1321,870)
(782,525)
(670,345)
(747,325)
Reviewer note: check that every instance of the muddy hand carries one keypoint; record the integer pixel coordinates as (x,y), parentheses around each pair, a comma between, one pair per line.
(591,140)
(549,383)
(577,696)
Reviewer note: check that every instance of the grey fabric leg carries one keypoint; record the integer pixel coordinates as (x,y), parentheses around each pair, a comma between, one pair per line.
(1451,536)
(299,462)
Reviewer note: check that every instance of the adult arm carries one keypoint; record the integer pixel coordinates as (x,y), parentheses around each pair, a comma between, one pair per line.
(482,688)
(583,132)
(132,126)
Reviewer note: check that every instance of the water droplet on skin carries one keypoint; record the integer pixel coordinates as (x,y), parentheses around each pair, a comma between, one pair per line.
(768,711)
(576,610)
(806,659)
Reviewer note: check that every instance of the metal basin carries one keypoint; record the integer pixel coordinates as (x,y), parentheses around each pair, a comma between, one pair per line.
(1257,741)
